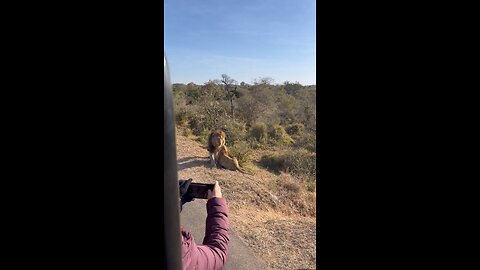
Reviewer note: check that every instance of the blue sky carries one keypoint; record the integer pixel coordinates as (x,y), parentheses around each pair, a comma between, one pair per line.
(245,39)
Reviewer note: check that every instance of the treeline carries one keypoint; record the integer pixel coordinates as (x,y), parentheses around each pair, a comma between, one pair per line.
(254,116)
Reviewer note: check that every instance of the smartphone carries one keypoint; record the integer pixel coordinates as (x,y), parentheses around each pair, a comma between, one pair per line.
(199,190)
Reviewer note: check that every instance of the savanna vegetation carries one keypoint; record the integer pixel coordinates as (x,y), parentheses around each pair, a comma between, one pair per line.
(268,125)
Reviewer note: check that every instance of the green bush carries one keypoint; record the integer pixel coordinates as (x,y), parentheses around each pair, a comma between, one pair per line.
(206,115)
(259,132)
(254,144)
(242,152)
(301,162)
(187,132)
(181,118)
(203,137)
(197,124)
(306,140)
(278,136)
(311,185)
(273,162)
(296,162)
(294,129)
(234,130)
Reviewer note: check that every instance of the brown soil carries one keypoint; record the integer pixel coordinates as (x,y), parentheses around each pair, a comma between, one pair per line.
(273,214)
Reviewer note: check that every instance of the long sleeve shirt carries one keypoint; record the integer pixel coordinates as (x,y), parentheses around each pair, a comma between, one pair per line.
(212,255)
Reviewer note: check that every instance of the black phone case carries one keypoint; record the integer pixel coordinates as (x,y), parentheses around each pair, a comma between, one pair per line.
(200,191)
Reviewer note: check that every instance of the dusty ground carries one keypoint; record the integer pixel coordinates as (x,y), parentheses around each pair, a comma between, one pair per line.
(276,223)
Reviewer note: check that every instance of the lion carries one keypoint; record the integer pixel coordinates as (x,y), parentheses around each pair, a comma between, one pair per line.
(227,162)
(216,139)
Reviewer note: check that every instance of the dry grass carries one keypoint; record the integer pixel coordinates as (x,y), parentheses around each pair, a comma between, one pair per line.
(283,242)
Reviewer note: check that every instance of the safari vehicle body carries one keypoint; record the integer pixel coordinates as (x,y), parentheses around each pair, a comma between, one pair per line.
(171,217)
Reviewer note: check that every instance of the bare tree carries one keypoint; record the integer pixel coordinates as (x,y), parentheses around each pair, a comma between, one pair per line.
(230,87)
(263,80)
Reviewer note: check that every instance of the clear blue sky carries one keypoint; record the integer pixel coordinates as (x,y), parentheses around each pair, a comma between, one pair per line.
(245,39)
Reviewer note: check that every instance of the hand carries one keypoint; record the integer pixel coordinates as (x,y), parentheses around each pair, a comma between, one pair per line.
(183,186)
(184,196)
(216,192)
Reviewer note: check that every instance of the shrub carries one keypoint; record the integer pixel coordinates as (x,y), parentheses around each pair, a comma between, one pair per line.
(242,152)
(259,132)
(206,115)
(187,132)
(197,124)
(254,144)
(278,135)
(181,118)
(273,162)
(203,136)
(294,129)
(234,130)
(306,140)
(292,186)
(311,185)
(297,162)
(301,162)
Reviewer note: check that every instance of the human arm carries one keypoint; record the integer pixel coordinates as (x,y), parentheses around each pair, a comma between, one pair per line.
(213,253)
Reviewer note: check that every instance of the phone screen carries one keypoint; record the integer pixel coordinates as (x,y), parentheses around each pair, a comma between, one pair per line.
(199,190)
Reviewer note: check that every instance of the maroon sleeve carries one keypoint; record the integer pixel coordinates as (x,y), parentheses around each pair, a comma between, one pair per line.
(212,255)
(215,243)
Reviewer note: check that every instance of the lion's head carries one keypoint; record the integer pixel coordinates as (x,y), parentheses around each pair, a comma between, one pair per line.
(215,140)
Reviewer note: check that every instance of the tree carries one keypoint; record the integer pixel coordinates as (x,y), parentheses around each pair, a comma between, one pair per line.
(192,93)
(213,91)
(287,108)
(291,88)
(230,88)
(263,80)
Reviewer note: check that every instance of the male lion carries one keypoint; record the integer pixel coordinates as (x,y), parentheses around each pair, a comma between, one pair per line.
(216,139)
(227,162)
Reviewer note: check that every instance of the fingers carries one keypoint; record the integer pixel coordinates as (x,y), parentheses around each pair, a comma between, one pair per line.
(217,191)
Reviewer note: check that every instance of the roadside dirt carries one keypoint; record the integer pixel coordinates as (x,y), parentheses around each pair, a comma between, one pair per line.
(270,216)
